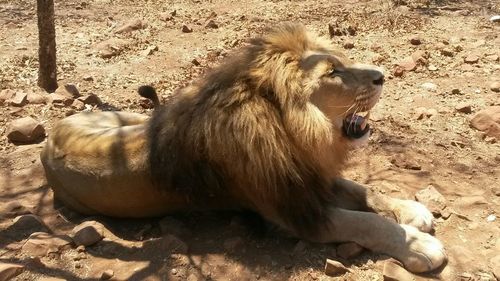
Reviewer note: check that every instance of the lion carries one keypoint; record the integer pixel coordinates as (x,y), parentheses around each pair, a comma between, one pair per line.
(268,131)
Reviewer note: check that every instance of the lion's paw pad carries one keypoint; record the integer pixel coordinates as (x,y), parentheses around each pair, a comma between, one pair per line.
(415,214)
(424,252)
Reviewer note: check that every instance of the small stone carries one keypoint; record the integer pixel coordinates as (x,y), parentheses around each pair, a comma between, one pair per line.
(420,57)
(334,268)
(61,100)
(456,91)
(408,64)
(394,272)
(464,108)
(25,130)
(19,99)
(35,98)
(10,270)
(134,24)
(186,29)
(78,105)
(348,45)
(88,78)
(6,95)
(493,57)
(26,224)
(166,17)
(211,24)
(488,121)
(495,87)
(491,218)
(150,50)
(234,244)
(107,274)
(91,99)
(88,233)
(195,62)
(431,87)
(432,199)
(471,59)
(447,52)
(398,71)
(415,40)
(349,250)
(41,243)
(495,18)
(111,47)
(80,249)
(432,67)
(69,90)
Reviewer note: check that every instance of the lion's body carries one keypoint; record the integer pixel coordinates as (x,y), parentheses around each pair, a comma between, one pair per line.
(260,133)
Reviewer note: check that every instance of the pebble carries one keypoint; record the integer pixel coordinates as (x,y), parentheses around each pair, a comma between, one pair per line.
(62,100)
(488,121)
(471,59)
(41,243)
(25,130)
(495,18)
(491,218)
(88,78)
(464,107)
(150,50)
(19,99)
(211,24)
(35,98)
(349,250)
(495,87)
(431,87)
(186,29)
(334,268)
(195,62)
(10,270)
(432,199)
(88,233)
(91,99)
(456,91)
(348,45)
(6,95)
(415,40)
(111,47)
(408,64)
(420,57)
(78,105)
(134,24)
(68,90)
(26,224)
(447,52)
(421,112)
(107,274)
(394,272)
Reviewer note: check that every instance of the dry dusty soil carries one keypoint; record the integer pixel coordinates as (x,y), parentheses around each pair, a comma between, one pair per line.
(442,64)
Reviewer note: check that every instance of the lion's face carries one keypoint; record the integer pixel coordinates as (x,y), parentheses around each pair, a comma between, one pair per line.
(346,91)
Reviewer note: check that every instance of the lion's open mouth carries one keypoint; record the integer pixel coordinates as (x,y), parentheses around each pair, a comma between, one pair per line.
(356,126)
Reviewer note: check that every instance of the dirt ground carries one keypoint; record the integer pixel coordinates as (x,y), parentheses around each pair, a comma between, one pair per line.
(422,132)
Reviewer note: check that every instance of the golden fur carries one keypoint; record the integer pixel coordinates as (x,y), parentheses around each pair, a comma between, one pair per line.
(262,132)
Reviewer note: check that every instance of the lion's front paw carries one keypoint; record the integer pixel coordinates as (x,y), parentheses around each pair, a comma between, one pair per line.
(423,252)
(415,214)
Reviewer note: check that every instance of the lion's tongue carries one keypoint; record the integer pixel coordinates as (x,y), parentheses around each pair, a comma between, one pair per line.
(355,126)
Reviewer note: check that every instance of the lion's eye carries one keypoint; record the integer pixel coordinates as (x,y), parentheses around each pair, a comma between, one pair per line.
(334,72)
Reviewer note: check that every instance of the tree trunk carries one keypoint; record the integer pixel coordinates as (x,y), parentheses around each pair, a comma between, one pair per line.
(47,72)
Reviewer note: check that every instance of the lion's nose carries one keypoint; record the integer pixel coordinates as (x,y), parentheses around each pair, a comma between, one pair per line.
(379,81)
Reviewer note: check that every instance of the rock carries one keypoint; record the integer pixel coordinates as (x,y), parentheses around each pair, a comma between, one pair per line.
(186,29)
(431,87)
(420,57)
(88,233)
(495,18)
(69,90)
(456,91)
(19,99)
(432,68)
(334,268)
(88,78)
(432,199)
(13,209)
(211,24)
(111,47)
(170,225)
(91,99)
(495,87)
(394,272)
(195,62)
(25,130)
(107,274)
(415,40)
(78,105)
(61,100)
(408,64)
(24,225)
(6,95)
(349,250)
(134,24)
(493,57)
(422,112)
(10,270)
(398,71)
(488,121)
(166,17)
(234,244)
(471,59)
(41,243)
(447,52)
(150,50)
(348,45)
(464,107)
(35,98)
